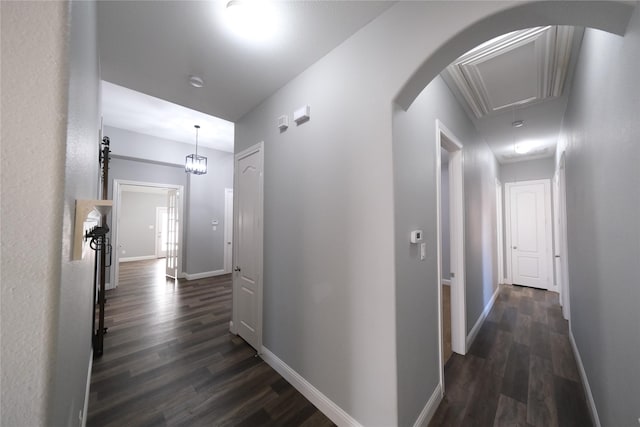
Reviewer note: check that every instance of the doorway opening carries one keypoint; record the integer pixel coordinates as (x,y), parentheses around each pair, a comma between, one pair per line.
(146,224)
(450,202)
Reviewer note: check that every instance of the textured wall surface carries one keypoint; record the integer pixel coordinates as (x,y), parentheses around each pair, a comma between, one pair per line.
(34,95)
(601,136)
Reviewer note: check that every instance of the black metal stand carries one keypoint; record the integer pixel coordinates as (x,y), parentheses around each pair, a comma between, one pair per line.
(101,244)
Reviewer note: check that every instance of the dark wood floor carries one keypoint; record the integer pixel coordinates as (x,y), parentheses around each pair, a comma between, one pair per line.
(170,360)
(520,371)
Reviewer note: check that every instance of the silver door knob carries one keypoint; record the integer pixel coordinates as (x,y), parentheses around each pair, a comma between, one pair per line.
(236,269)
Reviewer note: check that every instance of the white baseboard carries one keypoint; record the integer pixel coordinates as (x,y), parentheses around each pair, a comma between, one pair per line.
(108,286)
(430,408)
(583,375)
(231,329)
(85,408)
(203,274)
(476,328)
(137,258)
(322,402)
(446,282)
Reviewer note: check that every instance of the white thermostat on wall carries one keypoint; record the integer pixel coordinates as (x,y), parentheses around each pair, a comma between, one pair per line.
(416,236)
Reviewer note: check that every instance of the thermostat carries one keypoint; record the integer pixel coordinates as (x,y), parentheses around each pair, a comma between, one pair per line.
(416,236)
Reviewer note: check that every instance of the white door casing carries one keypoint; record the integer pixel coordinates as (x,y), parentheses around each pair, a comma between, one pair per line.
(563,246)
(447,140)
(500,235)
(162,221)
(118,184)
(248,234)
(228,230)
(528,219)
(173,232)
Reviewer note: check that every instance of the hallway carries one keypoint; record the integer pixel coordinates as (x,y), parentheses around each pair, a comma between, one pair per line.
(169,359)
(520,371)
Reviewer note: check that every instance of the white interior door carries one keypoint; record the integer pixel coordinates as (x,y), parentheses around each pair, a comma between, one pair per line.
(228,229)
(247,277)
(529,229)
(162,223)
(172,233)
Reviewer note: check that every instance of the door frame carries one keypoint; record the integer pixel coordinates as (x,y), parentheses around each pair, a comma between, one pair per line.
(228,230)
(257,148)
(500,231)
(447,140)
(547,229)
(114,270)
(561,231)
(158,210)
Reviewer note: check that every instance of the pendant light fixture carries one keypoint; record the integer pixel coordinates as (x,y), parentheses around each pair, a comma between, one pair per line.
(194,163)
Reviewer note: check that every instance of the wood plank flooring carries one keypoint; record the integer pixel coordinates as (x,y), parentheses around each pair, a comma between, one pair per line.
(520,371)
(169,359)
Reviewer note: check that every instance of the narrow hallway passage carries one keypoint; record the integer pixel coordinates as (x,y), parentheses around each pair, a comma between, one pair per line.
(520,371)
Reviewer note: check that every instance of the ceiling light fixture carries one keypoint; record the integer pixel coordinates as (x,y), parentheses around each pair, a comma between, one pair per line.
(254,20)
(518,123)
(196,81)
(522,148)
(194,163)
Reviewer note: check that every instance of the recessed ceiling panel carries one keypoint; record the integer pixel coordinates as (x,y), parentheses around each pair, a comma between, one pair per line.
(517,69)
(510,78)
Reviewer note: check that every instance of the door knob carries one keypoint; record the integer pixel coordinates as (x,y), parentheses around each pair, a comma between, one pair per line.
(515,247)
(236,269)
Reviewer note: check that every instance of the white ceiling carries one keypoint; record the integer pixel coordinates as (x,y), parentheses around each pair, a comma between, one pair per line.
(127,109)
(153,47)
(519,76)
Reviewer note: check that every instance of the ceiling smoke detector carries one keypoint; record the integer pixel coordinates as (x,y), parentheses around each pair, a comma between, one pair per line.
(196,81)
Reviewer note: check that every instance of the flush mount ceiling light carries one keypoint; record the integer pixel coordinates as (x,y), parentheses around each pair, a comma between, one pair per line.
(253,20)
(522,148)
(194,163)
(196,81)
(518,123)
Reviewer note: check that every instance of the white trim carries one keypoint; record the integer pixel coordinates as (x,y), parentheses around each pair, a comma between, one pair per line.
(228,230)
(430,408)
(204,274)
(85,408)
(583,376)
(114,271)
(476,328)
(137,258)
(328,407)
(456,224)
(107,286)
(500,231)
(231,328)
(446,282)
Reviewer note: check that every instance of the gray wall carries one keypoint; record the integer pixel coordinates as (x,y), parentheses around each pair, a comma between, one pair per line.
(601,135)
(138,157)
(527,170)
(138,223)
(76,308)
(414,153)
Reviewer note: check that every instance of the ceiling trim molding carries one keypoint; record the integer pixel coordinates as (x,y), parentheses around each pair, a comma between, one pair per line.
(552,46)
